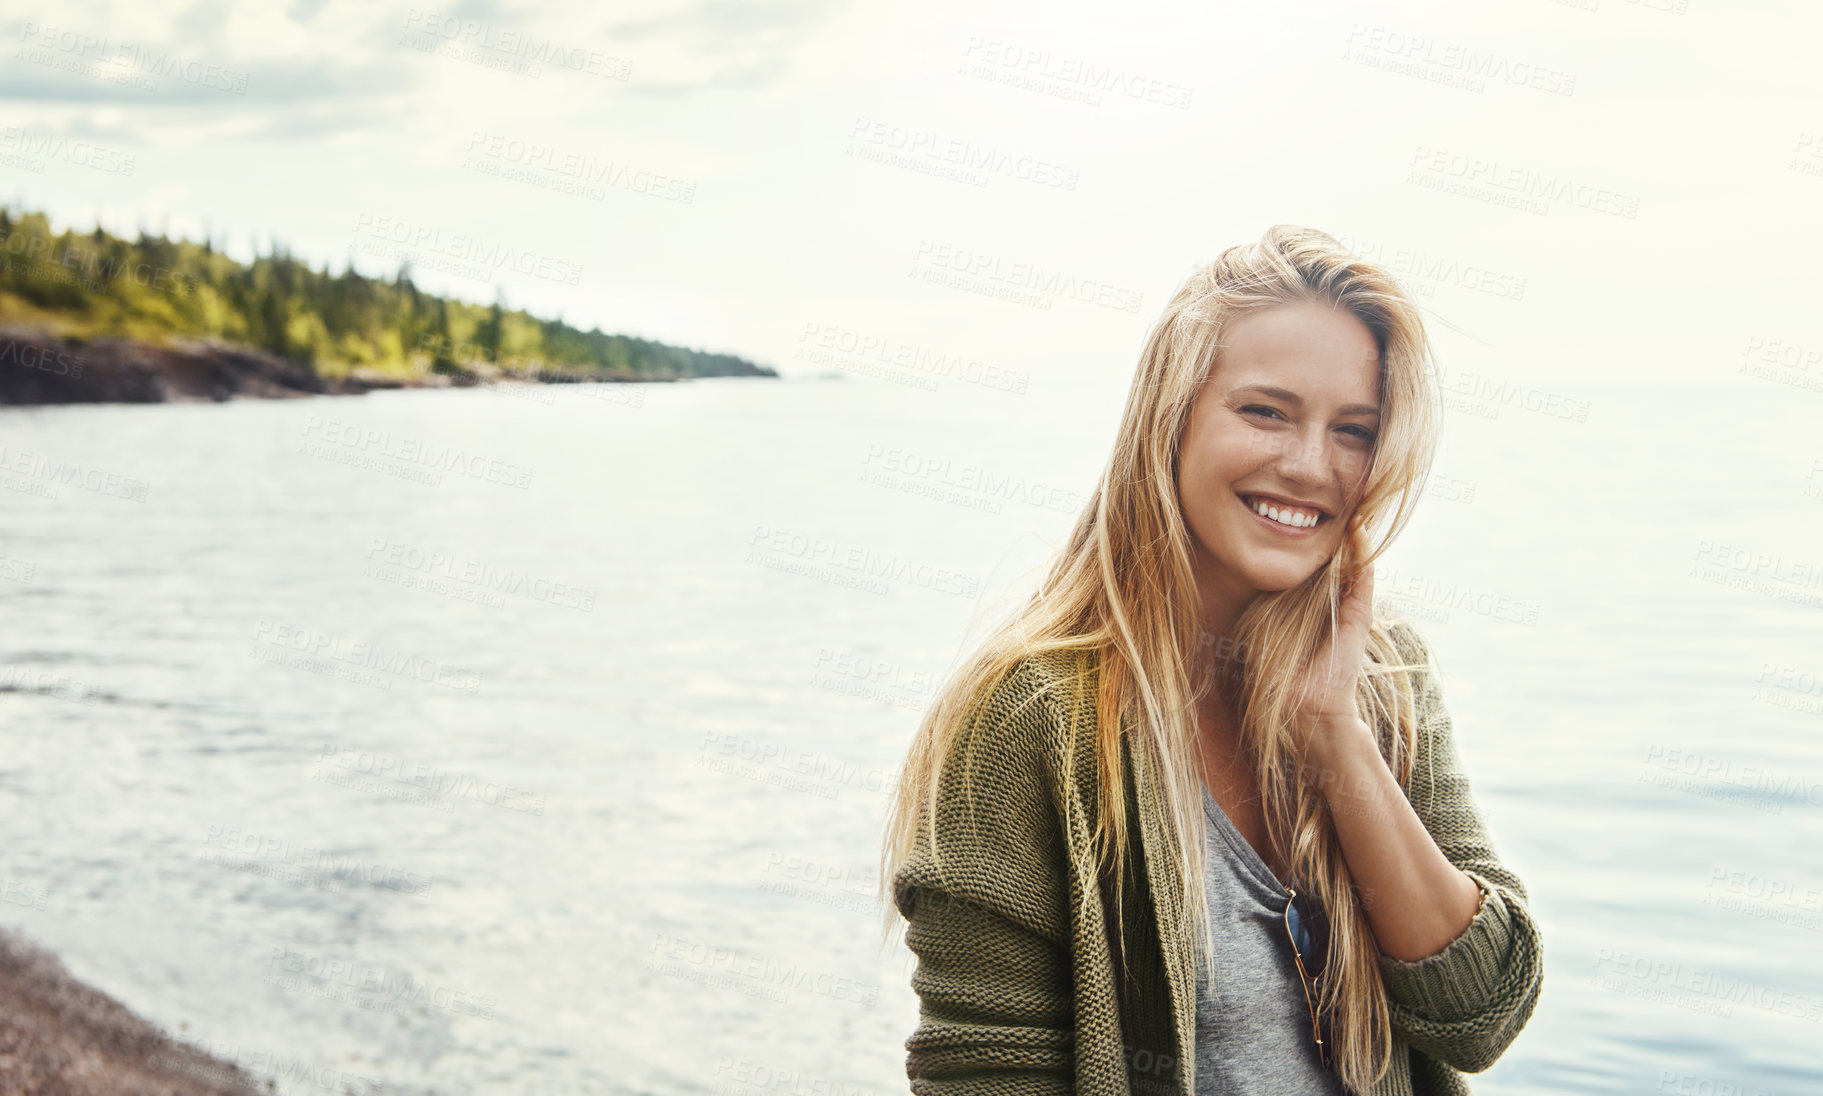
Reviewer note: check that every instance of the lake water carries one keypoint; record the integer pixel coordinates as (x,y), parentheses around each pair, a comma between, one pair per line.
(558,764)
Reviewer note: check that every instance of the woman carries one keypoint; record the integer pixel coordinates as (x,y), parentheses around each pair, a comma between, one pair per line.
(1203,690)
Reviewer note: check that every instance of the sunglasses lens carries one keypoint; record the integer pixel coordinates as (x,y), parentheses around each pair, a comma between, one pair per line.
(1299,934)
(1310,933)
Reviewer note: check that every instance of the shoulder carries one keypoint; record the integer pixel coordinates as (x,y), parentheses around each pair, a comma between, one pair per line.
(999,799)
(1041,687)
(996,848)
(1016,727)
(1416,664)
(1406,638)
(1413,650)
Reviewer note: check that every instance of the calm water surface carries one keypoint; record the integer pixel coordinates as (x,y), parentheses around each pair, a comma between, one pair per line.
(472,742)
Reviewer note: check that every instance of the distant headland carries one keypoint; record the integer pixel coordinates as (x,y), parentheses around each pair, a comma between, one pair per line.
(95,318)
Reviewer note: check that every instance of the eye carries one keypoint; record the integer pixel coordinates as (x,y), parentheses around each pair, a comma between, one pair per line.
(1252,407)
(1363,433)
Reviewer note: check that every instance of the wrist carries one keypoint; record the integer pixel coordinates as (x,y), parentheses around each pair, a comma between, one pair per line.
(1338,747)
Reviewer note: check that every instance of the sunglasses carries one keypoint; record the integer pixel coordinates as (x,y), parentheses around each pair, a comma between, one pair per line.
(1309,935)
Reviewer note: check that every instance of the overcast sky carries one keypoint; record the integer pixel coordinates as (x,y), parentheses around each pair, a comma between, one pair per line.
(1602,191)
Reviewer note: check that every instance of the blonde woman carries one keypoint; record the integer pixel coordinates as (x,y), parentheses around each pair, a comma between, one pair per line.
(1193,821)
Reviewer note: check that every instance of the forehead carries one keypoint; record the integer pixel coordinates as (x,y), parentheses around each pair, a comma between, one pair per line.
(1307,347)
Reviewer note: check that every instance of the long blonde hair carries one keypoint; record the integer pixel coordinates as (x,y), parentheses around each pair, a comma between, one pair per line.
(1122,590)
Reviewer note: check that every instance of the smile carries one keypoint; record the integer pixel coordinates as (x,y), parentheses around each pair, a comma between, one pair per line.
(1283,518)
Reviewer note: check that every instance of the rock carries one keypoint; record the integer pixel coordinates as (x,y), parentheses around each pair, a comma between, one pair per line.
(37,367)
(59,1037)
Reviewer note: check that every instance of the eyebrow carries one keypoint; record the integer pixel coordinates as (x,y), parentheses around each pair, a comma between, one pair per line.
(1297,401)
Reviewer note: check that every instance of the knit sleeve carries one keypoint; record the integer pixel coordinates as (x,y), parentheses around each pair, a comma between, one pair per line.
(1465,1004)
(987,921)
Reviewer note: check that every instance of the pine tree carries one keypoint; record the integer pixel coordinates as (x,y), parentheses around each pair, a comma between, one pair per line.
(489,337)
(442,362)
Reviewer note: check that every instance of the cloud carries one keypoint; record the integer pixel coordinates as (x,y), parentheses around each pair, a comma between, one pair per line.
(719,44)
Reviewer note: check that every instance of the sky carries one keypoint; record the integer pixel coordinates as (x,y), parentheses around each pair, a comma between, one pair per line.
(1594,192)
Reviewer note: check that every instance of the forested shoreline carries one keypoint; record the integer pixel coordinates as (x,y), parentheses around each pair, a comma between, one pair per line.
(93,317)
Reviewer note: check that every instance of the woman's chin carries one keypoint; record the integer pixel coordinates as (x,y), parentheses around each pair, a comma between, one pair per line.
(1273,580)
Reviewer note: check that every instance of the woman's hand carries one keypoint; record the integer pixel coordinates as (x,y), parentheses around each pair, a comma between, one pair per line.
(1325,715)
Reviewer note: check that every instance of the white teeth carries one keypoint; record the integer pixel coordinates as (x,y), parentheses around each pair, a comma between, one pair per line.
(1297,519)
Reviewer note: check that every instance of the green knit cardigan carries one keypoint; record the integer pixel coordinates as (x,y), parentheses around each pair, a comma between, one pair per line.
(1019,987)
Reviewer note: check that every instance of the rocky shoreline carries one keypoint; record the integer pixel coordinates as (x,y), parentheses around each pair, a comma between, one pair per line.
(38,367)
(59,1037)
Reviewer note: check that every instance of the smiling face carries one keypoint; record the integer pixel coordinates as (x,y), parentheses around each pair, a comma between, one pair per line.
(1287,419)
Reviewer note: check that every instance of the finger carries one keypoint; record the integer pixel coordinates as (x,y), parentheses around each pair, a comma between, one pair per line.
(1357,609)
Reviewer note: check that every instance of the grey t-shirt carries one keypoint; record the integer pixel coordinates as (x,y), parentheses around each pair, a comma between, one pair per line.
(1252,1024)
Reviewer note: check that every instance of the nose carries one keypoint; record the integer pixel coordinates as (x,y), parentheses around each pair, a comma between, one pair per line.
(1305,458)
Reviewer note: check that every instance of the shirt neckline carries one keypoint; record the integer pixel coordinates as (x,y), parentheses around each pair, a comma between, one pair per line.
(1256,866)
